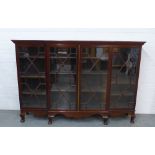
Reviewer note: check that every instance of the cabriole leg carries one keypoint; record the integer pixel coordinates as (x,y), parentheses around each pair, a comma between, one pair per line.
(50,119)
(22,117)
(132,119)
(105,120)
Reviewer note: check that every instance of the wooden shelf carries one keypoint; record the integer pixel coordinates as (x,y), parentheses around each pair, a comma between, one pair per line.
(122,94)
(123,82)
(63,57)
(34,92)
(116,66)
(93,91)
(32,76)
(83,73)
(94,72)
(72,88)
(57,73)
(33,57)
(63,88)
(93,58)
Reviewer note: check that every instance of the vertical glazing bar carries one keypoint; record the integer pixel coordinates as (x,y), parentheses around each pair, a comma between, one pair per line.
(47,69)
(137,74)
(18,75)
(109,76)
(78,77)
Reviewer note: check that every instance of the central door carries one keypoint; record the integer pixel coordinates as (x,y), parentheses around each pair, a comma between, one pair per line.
(93,83)
(63,78)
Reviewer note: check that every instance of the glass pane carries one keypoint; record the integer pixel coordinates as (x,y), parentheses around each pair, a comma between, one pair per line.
(93,78)
(124,72)
(63,78)
(31,61)
(33,92)
(32,77)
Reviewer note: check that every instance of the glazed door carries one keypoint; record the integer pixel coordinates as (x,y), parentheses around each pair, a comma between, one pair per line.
(63,78)
(124,77)
(31,70)
(93,80)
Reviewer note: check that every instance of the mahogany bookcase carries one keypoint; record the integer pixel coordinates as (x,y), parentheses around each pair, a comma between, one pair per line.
(78,78)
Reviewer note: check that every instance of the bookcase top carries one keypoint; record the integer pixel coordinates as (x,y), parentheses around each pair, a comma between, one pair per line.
(82,42)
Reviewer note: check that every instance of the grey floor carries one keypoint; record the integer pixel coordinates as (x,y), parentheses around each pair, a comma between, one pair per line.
(10,118)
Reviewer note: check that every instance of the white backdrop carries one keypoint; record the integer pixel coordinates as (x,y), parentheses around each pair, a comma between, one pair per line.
(8,73)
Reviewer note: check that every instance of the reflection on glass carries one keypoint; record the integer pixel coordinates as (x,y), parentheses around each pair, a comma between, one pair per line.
(93,78)
(63,78)
(124,72)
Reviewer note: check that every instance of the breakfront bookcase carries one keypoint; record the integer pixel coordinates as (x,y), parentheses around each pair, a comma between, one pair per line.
(78,78)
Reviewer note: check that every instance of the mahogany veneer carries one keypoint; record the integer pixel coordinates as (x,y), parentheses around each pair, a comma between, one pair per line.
(78,78)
